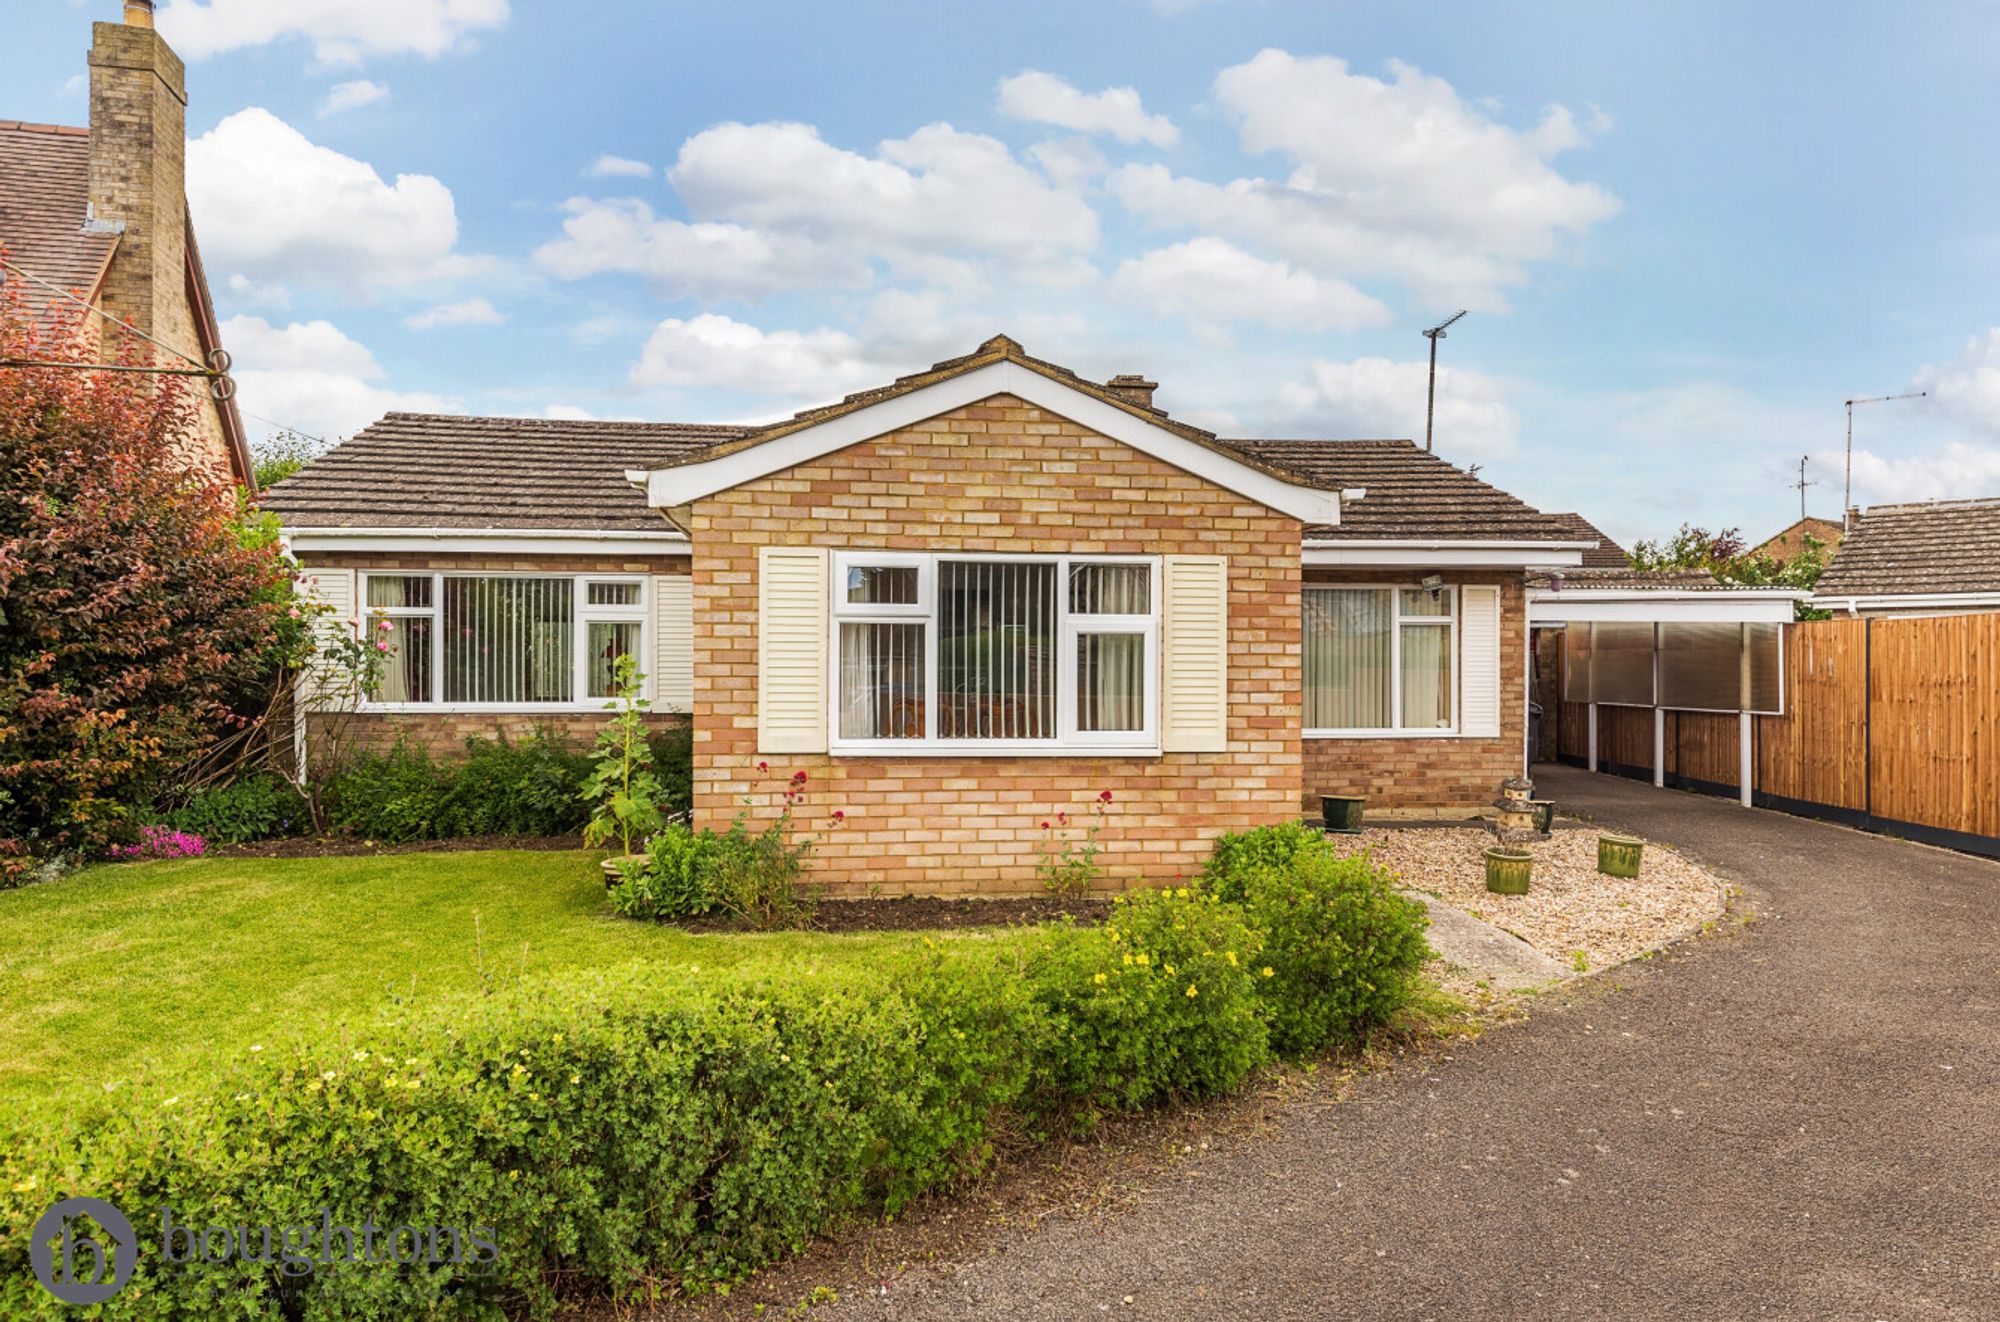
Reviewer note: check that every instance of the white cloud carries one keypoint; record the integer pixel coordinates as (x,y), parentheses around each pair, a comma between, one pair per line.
(314,377)
(341,31)
(1208,280)
(1043,98)
(1967,390)
(682,260)
(608,166)
(465,312)
(1070,163)
(1397,178)
(1377,398)
(717,353)
(273,205)
(1956,470)
(933,204)
(245,292)
(352,96)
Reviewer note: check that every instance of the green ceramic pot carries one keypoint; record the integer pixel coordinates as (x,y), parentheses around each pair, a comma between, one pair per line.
(1618,855)
(1507,871)
(1545,814)
(1343,813)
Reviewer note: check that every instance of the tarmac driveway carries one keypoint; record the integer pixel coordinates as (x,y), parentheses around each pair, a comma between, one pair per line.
(1800,1122)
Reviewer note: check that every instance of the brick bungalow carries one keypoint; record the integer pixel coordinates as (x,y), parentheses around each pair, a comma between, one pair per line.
(98,217)
(1934,557)
(961,603)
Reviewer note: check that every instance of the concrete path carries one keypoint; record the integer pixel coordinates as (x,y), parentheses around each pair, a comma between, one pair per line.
(1483,950)
(1799,1122)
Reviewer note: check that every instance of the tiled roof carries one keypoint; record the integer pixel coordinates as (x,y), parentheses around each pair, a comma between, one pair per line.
(44,197)
(415,470)
(1936,546)
(1788,543)
(1412,494)
(1608,555)
(1659,580)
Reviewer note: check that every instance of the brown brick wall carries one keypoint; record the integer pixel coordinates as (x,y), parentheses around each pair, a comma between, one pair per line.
(1430,773)
(996,477)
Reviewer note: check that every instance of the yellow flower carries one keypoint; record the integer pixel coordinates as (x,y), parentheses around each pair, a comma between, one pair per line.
(1270,972)
(1098,979)
(26,1186)
(1191,990)
(314,1086)
(1182,892)
(958,1033)
(1170,970)
(1142,959)
(1128,959)
(1232,958)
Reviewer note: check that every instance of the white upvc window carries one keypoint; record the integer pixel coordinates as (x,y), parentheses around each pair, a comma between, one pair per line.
(994,654)
(1380,661)
(502,642)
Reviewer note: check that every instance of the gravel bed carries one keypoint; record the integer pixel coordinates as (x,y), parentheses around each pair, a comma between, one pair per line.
(1570,906)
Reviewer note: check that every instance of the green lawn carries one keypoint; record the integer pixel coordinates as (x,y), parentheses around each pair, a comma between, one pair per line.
(138,967)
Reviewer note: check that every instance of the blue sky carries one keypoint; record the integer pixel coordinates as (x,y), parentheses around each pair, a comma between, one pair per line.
(1687,231)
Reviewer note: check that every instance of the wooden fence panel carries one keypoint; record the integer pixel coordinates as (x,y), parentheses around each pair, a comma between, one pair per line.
(1816,752)
(1708,746)
(1933,708)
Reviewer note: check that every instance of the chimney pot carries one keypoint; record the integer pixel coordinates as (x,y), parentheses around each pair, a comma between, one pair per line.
(1133,389)
(139,13)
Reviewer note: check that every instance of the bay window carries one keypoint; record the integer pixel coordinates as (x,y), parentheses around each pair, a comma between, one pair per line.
(939,652)
(502,641)
(1380,660)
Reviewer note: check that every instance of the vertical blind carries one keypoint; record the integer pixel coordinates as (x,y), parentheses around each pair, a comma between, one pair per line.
(1347,657)
(996,653)
(881,681)
(1110,681)
(509,639)
(1427,672)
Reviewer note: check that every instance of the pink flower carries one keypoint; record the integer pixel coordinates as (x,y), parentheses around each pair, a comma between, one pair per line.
(293,612)
(386,627)
(381,647)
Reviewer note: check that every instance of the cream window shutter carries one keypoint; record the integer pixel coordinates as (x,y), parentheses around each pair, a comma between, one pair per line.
(1480,647)
(673,642)
(791,649)
(323,682)
(1194,655)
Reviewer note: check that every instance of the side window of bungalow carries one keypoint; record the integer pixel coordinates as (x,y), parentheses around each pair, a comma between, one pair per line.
(502,640)
(1380,660)
(943,652)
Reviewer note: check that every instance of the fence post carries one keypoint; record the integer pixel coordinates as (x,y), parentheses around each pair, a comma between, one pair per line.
(1592,736)
(1746,762)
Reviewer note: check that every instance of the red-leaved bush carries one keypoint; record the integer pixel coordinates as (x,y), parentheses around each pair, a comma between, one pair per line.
(137,608)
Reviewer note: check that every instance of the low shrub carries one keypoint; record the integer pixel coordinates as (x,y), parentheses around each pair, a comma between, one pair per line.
(674,882)
(1344,948)
(1238,853)
(754,878)
(255,807)
(525,788)
(399,795)
(673,767)
(642,1128)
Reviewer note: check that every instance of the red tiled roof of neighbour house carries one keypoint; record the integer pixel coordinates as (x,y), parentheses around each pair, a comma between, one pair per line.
(1608,555)
(1411,494)
(1784,545)
(418,470)
(44,201)
(1939,546)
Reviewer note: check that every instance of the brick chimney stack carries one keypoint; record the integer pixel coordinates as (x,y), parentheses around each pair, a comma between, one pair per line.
(138,148)
(1133,389)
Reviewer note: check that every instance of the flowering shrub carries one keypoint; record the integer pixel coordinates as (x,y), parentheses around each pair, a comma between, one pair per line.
(1236,854)
(139,609)
(1066,857)
(161,842)
(755,878)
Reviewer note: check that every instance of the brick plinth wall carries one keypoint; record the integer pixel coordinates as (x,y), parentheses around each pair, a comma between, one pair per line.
(998,476)
(1420,773)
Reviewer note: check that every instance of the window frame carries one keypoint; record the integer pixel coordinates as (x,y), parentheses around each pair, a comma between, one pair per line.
(1397,623)
(1070,627)
(582,616)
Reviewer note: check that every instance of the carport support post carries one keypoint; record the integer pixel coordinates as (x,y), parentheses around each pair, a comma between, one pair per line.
(1744,760)
(1659,748)
(1591,735)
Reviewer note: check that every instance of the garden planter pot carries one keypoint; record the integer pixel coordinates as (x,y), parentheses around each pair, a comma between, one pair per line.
(614,868)
(1507,871)
(1618,855)
(1343,814)
(1545,814)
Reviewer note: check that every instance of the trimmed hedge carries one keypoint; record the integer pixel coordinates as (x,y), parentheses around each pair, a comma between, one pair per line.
(649,1129)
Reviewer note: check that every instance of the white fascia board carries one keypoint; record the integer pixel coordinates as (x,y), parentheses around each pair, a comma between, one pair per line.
(513,541)
(683,484)
(1640,606)
(1909,601)
(1448,554)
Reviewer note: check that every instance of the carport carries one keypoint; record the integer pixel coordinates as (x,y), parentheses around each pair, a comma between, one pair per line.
(1690,648)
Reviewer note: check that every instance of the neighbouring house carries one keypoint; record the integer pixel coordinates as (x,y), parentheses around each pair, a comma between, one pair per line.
(1930,558)
(1785,545)
(100,215)
(1607,554)
(979,596)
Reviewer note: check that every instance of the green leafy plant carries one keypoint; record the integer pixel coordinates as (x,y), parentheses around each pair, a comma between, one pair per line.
(529,787)
(675,881)
(1066,855)
(623,792)
(258,806)
(403,794)
(1237,854)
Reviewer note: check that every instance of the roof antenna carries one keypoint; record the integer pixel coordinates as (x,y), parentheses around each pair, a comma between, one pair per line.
(1434,334)
(1847,492)
(1802,484)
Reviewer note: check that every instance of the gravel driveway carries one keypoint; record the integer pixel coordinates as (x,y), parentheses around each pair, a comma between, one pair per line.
(1799,1122)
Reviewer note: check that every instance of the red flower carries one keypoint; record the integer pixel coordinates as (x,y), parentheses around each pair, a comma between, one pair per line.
(763,766)
(839,816)
(798,778)
(1045,826)
(1105,797)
